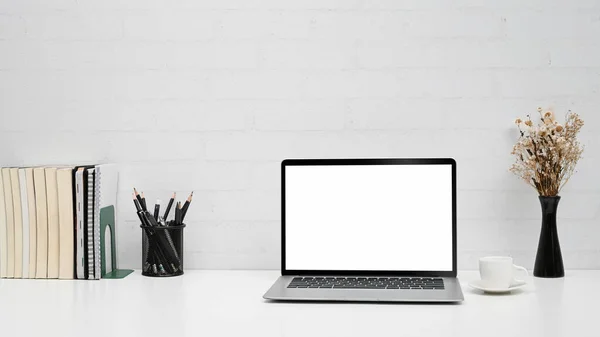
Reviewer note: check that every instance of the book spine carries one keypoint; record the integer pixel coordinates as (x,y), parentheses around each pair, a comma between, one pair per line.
(65,216)
(18,222)
(53,222)
(3,235)
(80,241)
(39,183)
(10,227)
(25,220)
(32,222)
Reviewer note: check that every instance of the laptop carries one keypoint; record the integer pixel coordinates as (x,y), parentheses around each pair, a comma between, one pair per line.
(375,230)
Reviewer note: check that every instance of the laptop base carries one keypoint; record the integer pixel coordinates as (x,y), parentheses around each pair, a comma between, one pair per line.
(452,292)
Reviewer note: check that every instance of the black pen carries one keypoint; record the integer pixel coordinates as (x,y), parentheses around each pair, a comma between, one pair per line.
(185,206)
(169,206)
(156,209)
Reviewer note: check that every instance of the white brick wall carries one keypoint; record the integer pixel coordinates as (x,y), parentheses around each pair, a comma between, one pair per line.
(209,95)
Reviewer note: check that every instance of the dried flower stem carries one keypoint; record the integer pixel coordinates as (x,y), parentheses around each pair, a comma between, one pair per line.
(547,154)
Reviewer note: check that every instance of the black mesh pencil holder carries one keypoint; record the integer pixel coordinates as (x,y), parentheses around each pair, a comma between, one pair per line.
(162,250)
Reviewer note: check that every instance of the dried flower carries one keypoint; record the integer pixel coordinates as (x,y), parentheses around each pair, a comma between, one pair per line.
(539,109)
(547,154)
(518,121)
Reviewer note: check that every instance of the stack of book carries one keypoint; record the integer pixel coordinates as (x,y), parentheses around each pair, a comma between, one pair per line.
(51,219)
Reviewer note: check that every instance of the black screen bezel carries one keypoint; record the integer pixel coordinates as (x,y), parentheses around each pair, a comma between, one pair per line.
(380,161)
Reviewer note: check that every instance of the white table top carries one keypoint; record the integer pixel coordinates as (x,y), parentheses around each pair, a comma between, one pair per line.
(229,303)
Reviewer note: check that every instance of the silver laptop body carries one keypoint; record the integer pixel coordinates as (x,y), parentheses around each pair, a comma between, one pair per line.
(373,230)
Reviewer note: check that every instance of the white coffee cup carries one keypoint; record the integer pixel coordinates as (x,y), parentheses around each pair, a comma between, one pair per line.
(498,272)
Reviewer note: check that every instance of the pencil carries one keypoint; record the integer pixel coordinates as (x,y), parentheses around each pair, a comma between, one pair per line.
(139,198)
(144,202)
(186,205)
(136,203)
(169,206)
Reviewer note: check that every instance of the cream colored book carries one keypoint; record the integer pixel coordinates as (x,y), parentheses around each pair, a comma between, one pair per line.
(25,220)
(10,225)
(41,265)
(64,179)
(3,238)
(53,222)
(32,222)
(18,221)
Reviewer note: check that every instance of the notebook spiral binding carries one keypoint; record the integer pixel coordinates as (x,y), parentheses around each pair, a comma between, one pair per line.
(97,196)
(90,224)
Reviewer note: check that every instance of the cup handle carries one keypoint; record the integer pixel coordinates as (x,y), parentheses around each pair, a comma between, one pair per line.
(520,281)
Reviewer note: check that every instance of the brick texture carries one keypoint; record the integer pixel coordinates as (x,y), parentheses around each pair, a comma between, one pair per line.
(210,95)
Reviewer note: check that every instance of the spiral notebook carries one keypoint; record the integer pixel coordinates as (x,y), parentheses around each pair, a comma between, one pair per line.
(90,223)
(96,233)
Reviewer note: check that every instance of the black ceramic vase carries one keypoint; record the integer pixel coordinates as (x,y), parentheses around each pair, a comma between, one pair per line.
(548,261)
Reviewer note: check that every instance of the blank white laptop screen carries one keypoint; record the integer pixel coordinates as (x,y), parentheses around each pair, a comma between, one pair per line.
(368,217)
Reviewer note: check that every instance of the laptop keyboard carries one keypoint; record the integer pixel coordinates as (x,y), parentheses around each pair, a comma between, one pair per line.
(368,283)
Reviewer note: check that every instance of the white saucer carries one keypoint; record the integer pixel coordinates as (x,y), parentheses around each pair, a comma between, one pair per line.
(478,284)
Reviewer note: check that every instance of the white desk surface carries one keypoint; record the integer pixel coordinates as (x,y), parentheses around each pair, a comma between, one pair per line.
(229,303)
